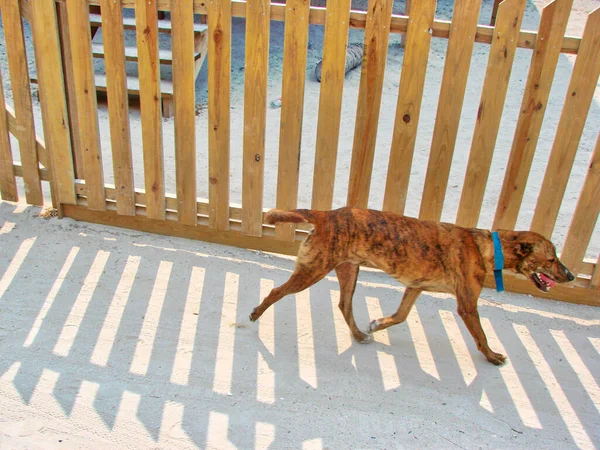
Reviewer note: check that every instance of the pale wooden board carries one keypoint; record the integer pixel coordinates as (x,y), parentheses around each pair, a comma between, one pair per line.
(495,86)
(150,106)
(369,101)
(330,102)
(408,108)
(255,114)
(182,16)
(129,23)
(454,83)
(118,106)
(42,153)
(164,56)
(19,77)
(219,82)
(292,107)
(8,183)
(595,281)
(553,24)
(85,96)
(53,101)
(570,127)
(584,217)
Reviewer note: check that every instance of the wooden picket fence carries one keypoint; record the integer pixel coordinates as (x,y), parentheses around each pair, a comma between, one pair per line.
(70,157)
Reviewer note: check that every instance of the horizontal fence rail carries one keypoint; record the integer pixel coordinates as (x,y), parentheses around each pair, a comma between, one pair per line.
(70,155)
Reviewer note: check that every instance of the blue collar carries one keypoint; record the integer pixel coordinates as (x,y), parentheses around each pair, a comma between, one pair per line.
(498,262)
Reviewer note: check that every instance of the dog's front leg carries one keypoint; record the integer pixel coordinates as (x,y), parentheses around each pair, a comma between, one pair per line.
(408,300)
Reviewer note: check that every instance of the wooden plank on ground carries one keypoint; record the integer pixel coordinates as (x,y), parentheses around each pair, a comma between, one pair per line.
(408,107)
(570,127)
(553,24)
(85,96)
(369,101)
(8,183)
(146,16)
(495,86)
(219,82)
(255,114)
(118,105)
(295,49)
(182,17)
(19,77)
(330,102)
(584,217)
(52,100)
(454,83)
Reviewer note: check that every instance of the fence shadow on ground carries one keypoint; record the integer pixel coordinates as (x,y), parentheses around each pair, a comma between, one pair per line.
(144,340)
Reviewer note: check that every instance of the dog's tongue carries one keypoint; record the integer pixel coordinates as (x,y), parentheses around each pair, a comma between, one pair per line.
(549,282)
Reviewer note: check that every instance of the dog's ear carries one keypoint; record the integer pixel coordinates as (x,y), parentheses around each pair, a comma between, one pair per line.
(523,249)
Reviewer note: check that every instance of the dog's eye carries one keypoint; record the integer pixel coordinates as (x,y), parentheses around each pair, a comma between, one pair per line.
(552,260)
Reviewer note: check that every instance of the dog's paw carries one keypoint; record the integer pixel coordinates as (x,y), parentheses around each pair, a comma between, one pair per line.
(373,326)
(364,339)
(253,316)
(496,358)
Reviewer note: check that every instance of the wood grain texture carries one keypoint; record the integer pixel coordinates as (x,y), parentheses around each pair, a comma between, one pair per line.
(452,93)
(553,24)
(369,101)
(292,108)
(255,114)
(333,66)
(118,105)
(408,107)
(53,100)
(19,77)
(495,86)
(150,106)
(85,96)
(570,127)
(585,216)
(184,84)
(219,82)
(8,183)
(595,281)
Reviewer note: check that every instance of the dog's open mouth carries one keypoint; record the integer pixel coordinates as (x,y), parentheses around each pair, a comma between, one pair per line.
(543,282)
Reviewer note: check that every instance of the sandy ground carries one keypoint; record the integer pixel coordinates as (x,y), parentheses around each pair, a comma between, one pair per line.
(128,340)
(117,339)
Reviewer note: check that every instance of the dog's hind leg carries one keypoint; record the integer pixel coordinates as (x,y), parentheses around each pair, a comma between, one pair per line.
(467,310)
(347,274)
(302,278)
(409,299)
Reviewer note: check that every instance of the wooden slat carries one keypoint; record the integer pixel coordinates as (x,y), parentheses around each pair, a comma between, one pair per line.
(85,96)
(292,108)
(19,77)
(13,128)
(330,102)
(570,127)
(219,82)
(584,217)
(150,106)
(118,106)
(454,83)
(164,26)
(537,90)
(52,100)
(408,108)
(595,281)
(8,184)
(495,86)
(182,16)
(369,101)
(255,114)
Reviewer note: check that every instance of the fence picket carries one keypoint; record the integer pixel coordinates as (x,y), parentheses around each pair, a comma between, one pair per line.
(408,108)
(570,127)
(255,114)
(118,105)
(292,107)
(8,183)
(330,102)
(454,83)
(377,32)
(219,81)
(502,53)
(19,77)
(146,21)
(553,24)
(184,84)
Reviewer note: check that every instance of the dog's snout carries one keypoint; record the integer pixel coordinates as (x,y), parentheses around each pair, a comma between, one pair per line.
(570,276)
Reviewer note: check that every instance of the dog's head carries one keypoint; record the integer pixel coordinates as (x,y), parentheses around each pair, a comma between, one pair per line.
(536,259)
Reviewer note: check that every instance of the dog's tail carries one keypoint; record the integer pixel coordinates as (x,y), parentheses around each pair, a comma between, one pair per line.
(295,216)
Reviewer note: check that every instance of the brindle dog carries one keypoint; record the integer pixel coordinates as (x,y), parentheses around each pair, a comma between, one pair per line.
(422,255)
